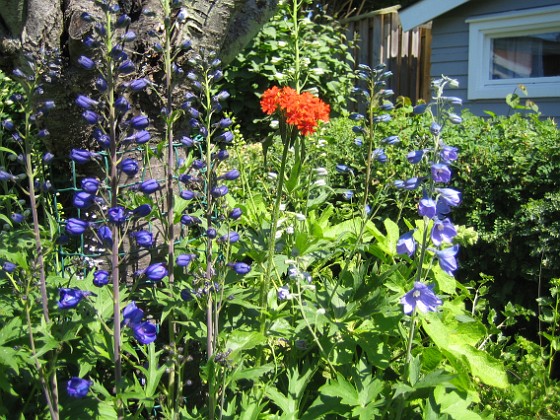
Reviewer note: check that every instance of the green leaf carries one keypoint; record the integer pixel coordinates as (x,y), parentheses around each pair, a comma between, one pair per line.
(342,389)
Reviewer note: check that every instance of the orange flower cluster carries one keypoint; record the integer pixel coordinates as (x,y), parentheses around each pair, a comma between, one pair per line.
(300,109)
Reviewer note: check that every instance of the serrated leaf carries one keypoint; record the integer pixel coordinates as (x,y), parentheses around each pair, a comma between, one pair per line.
(342,389)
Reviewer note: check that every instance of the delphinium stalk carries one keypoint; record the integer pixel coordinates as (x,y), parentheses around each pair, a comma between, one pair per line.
(433,161)
(119,130)
(374,98)
(207,214)
(28,139)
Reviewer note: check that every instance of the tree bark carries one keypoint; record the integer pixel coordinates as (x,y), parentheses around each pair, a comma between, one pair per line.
(224,26)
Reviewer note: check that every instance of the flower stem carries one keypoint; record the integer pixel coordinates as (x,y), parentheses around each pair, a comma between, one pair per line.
(274,221)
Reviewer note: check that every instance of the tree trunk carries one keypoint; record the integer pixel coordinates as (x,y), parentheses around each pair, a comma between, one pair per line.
(224,26)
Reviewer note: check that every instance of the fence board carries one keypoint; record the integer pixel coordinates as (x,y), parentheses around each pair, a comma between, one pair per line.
(379,38)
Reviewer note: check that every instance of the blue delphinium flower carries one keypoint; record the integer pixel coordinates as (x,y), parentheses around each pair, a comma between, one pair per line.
(144,238)
(183,260)
(117,215)
(145,332)
(82,199)
(78,387)
(129,166)
(240,267)
(447,259)
(149,186)
(156,271)
(284,293)
(427,207)
(219,191)
(81,156)
(8,267)
(415,156)
(90,185)
(421,297)
(449,196)
(406,245)
(441,173)
(17,217)
(132,315)
(142,210)
(105,235)
(443,231)
(69,298)
(100,278)
(76,226)
(187,194)
(235,213)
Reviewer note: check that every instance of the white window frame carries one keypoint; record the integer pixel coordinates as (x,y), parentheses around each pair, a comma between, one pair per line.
(482,29)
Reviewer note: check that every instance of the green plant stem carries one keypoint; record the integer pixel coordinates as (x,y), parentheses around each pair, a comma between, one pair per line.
(295,41)
(274,222)
(114,191)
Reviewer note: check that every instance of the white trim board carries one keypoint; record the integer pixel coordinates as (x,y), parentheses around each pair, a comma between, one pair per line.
(425,11)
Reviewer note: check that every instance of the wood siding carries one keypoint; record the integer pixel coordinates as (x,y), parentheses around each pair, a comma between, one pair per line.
(450,50)
(378,38)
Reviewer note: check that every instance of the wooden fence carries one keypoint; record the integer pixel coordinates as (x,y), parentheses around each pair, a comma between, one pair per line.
(379,38)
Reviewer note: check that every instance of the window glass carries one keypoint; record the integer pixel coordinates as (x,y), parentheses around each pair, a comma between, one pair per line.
(536,55)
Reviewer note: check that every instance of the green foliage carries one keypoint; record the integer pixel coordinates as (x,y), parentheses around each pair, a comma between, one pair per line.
(324,59)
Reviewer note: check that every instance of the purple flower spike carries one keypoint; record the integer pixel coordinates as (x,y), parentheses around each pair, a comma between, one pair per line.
(450,196)
(69,298)
(441,173)
(421,297)
(447,259)
(443,231)
(78,387)
(406,245)
(149,186)
(145,332)
(101,278)
(240,267)
(76,226)
(156,272)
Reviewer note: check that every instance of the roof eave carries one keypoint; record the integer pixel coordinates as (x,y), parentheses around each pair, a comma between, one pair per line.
(425,11)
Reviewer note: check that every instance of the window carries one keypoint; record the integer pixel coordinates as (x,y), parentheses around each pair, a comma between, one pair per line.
(519,47)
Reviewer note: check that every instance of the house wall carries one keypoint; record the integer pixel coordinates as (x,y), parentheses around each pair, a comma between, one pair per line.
(450,50)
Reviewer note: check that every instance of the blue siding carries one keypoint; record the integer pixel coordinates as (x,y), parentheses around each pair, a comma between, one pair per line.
(450,37)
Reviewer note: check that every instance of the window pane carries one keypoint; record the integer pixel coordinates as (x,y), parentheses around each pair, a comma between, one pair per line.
(535,55)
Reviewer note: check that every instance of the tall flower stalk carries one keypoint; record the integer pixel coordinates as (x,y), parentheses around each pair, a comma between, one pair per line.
(298,115)
(35,108)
